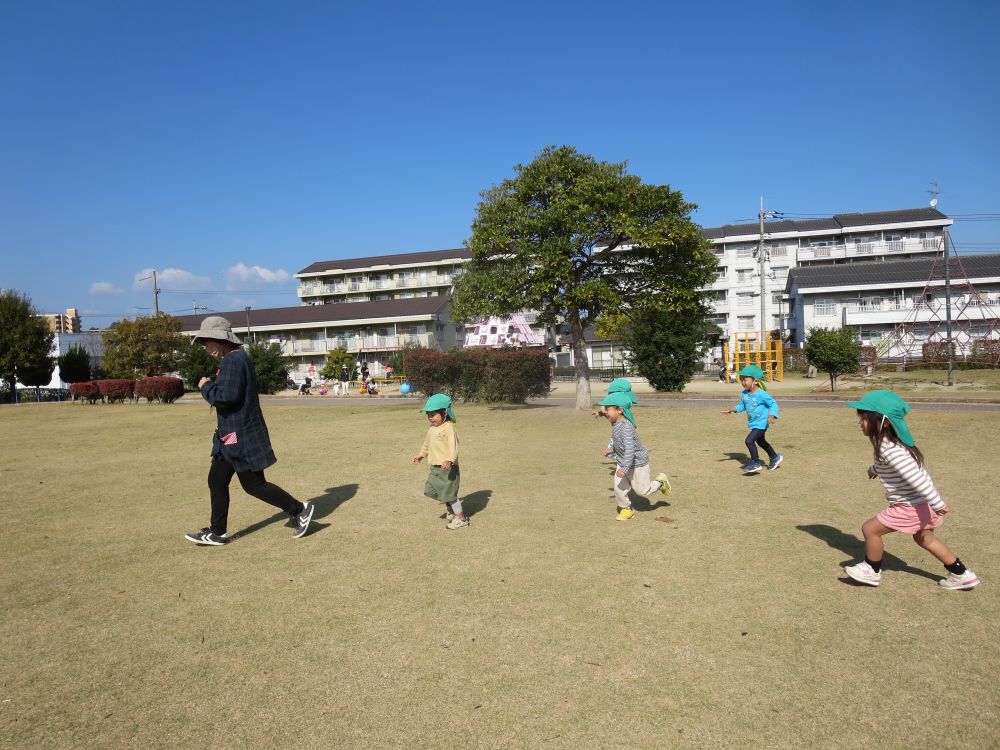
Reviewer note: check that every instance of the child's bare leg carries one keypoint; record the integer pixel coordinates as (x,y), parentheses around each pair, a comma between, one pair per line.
(873,531)
(926,539)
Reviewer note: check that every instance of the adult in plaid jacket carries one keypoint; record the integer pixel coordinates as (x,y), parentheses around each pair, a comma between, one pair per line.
(241,444)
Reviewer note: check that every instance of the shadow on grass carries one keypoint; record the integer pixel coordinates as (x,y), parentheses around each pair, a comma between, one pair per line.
(851,545)
(520,407)
(325,504)
(476,502)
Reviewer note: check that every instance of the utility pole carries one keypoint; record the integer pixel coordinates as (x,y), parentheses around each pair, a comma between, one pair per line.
(248,324)
(156,296)
(195,307)
(762,257)
(949,346)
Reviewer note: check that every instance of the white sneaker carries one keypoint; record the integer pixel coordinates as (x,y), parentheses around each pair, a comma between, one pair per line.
(863,573)
(457,523)
(968,580)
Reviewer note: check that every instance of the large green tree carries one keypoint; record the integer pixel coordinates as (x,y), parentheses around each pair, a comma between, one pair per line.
(271,367)
(195,363)
(835,351)
(665,346)
(149,345)
(573,237)
(74,365)
(335,359)
(25,341)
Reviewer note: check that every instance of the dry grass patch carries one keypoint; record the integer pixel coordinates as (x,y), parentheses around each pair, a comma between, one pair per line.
(718,620)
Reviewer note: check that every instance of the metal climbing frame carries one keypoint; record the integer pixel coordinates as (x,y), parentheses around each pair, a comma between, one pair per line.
(750,348)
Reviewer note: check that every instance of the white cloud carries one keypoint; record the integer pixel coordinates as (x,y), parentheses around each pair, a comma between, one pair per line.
(242,276)
(171,279)
(105,287)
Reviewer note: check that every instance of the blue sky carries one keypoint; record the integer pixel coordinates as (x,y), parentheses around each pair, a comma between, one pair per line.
(230,144)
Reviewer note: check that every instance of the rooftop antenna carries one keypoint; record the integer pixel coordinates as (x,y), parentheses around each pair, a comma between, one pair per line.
(934,193)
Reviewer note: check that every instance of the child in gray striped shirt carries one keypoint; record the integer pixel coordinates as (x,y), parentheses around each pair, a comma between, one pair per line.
(632,470)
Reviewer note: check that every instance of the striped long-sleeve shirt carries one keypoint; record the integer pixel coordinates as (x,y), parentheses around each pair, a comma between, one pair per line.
(627,446)
(905,482)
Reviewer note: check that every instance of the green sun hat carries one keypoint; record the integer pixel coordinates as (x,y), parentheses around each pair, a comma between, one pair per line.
(622,400)
(892,407)
(440,401)
(751,371)
(621,385)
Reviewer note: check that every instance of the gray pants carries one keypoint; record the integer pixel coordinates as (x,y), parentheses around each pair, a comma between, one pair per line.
(636,478)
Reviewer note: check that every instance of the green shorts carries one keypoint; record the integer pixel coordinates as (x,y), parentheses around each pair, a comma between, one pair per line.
(443,485)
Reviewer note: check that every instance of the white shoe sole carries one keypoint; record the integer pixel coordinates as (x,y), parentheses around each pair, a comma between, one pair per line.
(964,587)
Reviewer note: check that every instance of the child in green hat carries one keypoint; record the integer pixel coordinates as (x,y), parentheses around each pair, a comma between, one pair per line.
(915,505)
(618,385)
(762,412)
(632,470)
(441,449)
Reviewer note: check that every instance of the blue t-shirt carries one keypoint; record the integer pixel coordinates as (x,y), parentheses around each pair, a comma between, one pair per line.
(758,405)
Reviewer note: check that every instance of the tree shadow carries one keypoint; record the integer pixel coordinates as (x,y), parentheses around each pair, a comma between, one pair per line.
(520,407)
(325,504)
(855,547)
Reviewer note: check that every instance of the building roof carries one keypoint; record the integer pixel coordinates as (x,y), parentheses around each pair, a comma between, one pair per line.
(430,256)
(886,273)
(312,314)
(837,222)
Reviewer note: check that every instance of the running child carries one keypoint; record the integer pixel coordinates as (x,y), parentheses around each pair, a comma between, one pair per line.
(915,505)
(762,412)
(441,449)
(632,470)
(618,385)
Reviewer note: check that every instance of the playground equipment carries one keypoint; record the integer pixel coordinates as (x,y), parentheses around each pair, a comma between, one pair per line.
(750,348)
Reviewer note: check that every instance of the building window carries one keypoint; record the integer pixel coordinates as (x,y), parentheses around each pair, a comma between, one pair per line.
(744,299)
(780,272)
(746,322)
(776,298)
(744,252)
(720,273)
(744,275)
(825,307)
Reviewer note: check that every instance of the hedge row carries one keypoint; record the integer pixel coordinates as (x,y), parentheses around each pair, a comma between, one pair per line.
(161,389)
(491,375)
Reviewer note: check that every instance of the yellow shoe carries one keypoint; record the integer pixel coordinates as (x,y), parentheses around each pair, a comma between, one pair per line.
(624,514)
(664,483)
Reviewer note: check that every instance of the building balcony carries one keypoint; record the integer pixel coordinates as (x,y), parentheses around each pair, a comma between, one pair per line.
(863,249)
(359,343)
(915,311)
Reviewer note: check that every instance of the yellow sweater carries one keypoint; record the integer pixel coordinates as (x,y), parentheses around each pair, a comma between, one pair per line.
(441,444)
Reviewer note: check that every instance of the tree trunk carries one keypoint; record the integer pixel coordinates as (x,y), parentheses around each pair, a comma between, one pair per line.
(580,360)
(833,382)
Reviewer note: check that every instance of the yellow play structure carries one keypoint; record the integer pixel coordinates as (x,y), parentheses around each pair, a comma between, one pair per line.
(748,348)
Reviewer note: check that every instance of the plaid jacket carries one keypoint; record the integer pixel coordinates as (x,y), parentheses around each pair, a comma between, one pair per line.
(241,437)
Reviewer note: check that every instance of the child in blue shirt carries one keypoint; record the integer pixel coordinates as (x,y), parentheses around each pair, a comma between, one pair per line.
(762,412)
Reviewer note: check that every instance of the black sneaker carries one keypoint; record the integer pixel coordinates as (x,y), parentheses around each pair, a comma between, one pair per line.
(207,537)
(302,520)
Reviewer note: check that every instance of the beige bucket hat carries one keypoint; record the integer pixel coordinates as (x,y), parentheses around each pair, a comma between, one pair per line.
(218,328)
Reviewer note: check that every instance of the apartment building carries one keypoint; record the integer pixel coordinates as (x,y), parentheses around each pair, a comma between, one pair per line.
(68,322)
(899,305)
(839,241)
(372,330)
(381,278)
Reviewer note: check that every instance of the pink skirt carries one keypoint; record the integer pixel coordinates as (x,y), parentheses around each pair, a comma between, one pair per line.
(909,519)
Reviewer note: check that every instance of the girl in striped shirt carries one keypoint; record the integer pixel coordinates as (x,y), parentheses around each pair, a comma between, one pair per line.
(915,505)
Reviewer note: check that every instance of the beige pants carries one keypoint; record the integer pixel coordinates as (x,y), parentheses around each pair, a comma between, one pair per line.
(636,478)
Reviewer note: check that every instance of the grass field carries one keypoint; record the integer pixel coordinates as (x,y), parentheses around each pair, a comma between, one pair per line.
(720,619)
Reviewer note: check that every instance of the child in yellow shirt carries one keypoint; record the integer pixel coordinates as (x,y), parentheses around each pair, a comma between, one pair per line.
(441,449)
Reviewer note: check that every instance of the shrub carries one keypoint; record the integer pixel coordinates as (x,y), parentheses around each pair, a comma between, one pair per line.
(116,390)
(86,391)
(160,388)
(492,375)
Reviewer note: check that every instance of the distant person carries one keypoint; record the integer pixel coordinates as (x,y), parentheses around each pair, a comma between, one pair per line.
(762,412)
(241,444)
(632,465)
(440,448)
(365,372)
(345,378)
(304,389)
(723,373)
(915,505)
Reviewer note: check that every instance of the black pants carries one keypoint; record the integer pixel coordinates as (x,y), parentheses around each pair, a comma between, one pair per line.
(253,482)
(755,438)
